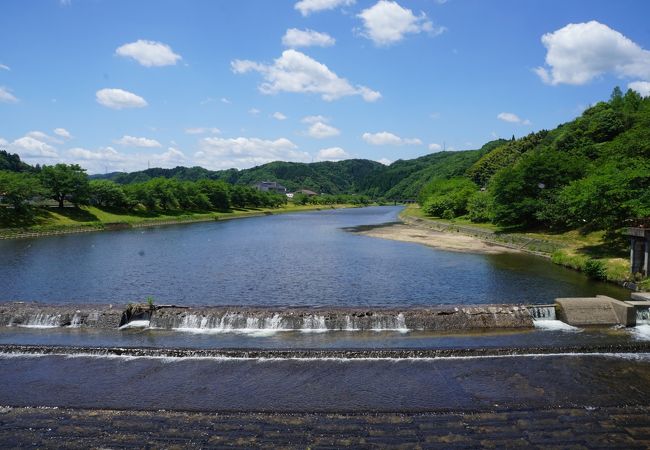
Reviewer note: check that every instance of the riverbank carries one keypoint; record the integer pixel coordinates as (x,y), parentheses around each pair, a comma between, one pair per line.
(55,221)
(571,249)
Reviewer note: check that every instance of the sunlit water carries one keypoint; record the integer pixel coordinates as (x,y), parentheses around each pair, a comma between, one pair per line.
(304,259)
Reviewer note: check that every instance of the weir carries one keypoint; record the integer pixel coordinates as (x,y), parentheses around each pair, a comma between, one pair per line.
(242,320)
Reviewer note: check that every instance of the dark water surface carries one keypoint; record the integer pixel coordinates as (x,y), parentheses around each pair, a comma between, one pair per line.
(301,259)
(214,384)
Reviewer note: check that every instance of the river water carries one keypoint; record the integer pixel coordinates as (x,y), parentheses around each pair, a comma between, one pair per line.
(304,259)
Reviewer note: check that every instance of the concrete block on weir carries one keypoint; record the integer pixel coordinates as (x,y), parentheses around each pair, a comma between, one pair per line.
(586,311)
(625,312)
(641,296)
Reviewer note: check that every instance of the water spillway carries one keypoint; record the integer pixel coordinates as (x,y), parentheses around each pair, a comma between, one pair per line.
(242,320)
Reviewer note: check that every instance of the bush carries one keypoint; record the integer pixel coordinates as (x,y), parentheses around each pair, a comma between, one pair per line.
(595,270)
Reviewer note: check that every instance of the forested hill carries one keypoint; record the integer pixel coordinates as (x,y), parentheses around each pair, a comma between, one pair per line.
(591,172)
(402,179)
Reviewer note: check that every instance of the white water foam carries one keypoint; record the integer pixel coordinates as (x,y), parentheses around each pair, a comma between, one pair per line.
(136,324)
(555,325)
(641,332)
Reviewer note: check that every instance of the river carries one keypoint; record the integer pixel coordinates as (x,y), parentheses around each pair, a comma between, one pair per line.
(303,259)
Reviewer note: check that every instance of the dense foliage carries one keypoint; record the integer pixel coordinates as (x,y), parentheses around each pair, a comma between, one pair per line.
(593,173)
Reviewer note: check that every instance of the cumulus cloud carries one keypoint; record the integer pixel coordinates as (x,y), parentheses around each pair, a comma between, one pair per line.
(387,22)
(202,130)
(44,137)
(580,52)
(278,116)
(298,73)
(110,159)
(385,161)
(63,133)
(306,7)
(642,87)
(6,96)
(306,38)
(332,154)
(435,147)
(29,147)
(254,112)
(512,118)
(242,152)
(321,130)
(119,99)
(149,53)
(4,67)
(132,141)
(314,119)
(386,138)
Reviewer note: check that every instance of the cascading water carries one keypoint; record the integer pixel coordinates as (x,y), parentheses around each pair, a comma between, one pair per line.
(642,329)
(544,318)
(41,320)
(76,320)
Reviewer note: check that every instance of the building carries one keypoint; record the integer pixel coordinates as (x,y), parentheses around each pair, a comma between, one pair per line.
(639,234)
(306,192)
(270,186)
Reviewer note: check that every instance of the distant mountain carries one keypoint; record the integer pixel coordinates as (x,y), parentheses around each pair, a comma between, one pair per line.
(402,179)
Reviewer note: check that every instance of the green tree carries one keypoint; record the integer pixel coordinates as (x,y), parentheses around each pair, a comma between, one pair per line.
(65,181)
(18,188)
(107,194)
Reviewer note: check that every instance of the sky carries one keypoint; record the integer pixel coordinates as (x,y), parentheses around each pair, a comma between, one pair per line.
(122,85)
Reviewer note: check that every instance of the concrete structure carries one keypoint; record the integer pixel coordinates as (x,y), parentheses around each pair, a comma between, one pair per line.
(640,246)
(270,186)
(595,311)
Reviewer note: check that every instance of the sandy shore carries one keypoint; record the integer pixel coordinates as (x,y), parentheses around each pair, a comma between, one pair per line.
(454,242)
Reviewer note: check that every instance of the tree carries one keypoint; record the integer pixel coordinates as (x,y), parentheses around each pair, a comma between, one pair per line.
(18,188)
(107,193)
(65,181)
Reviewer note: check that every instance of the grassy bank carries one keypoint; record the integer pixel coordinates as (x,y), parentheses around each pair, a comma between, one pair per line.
(89,218)
(586,252)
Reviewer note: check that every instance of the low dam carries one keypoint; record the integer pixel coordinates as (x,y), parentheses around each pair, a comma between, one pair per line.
(242,319)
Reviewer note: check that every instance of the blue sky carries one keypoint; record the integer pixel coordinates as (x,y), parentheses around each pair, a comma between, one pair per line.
(120,85)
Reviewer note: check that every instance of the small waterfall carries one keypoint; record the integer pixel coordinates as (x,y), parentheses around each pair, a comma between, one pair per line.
(229,322)
(544,318)
(313,324)
(643,315)
(545,312)
(41,320)
(76,320)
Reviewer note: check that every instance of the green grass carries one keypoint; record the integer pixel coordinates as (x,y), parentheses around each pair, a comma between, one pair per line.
(50,219)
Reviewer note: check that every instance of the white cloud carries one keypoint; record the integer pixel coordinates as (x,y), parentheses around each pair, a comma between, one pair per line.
(254,111)
(241,152)
(225,100)
(119,99)
(386,138)
(298,73)
(43,137)
(306,38)
(314,119)
(385,161)
(435,147)
(132,141)
(202,130)
(306,7)
(642,87)
(6,96)
(278,116)
(580,52)
(149,53)
(512,118)
(63,133)
(320,130)
(109,159)
(387,22)
(4,67)
(332,154)
(30,148)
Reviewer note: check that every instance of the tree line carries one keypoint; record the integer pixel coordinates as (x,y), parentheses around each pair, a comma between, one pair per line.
(70,183)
